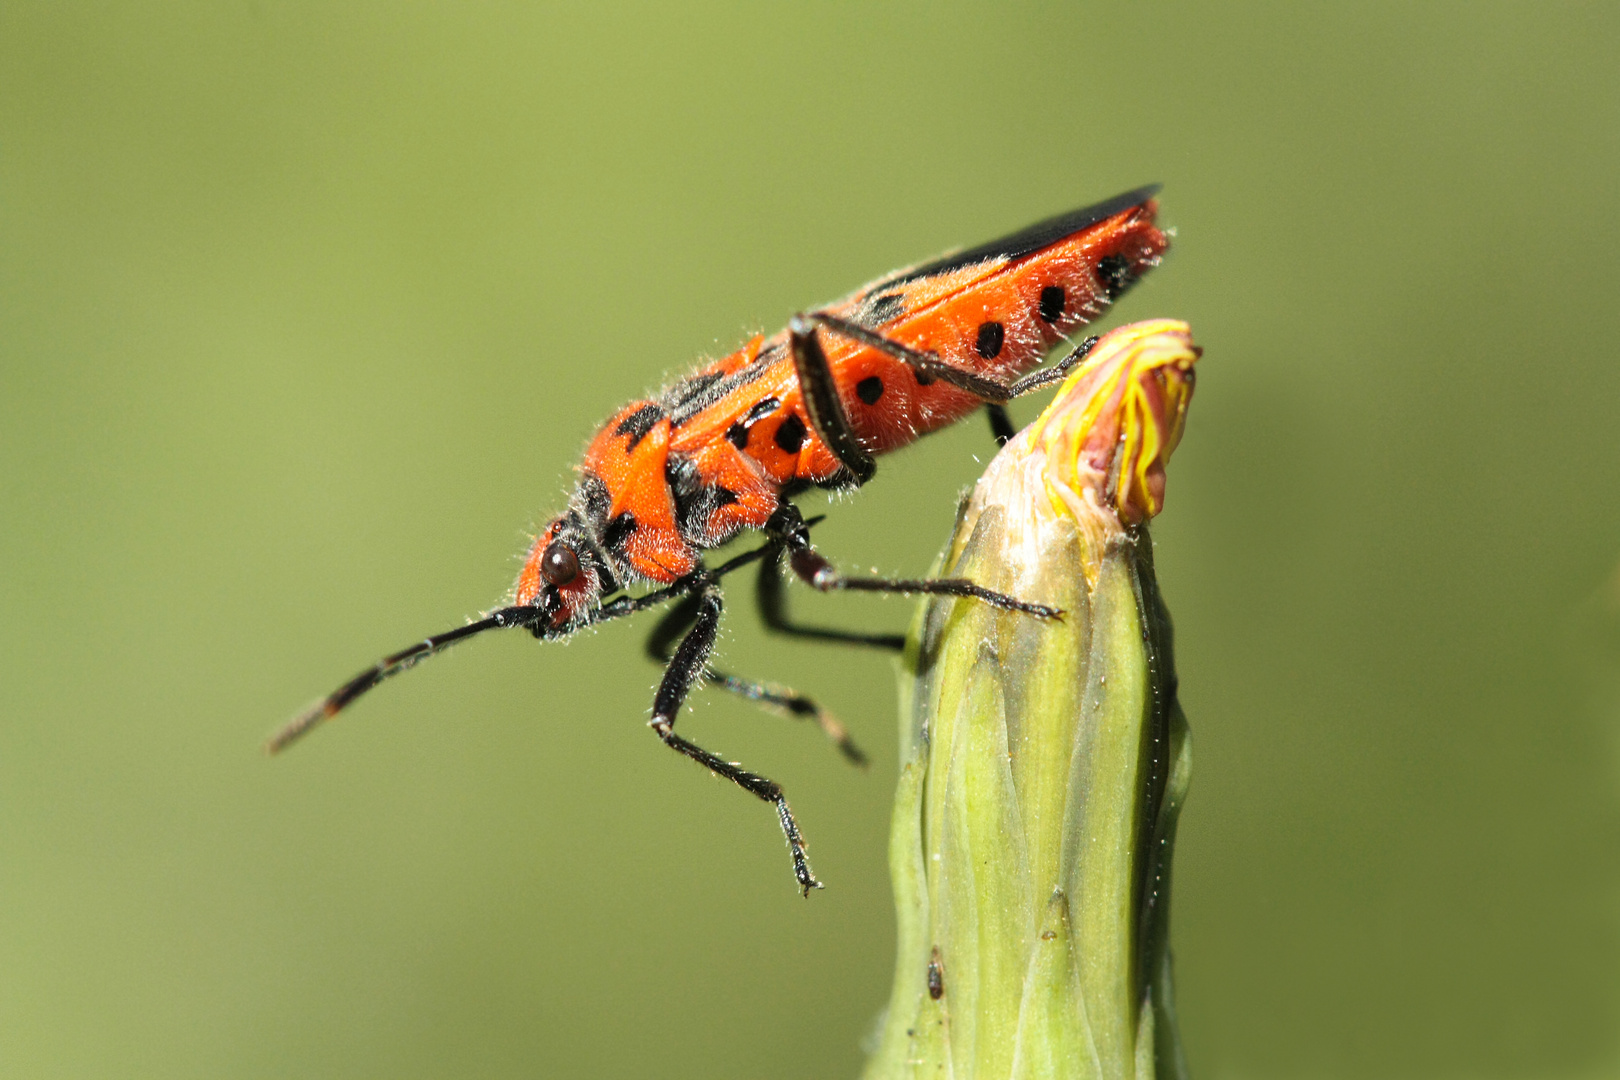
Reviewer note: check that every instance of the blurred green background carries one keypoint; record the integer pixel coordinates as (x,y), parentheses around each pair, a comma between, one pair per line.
(306,310)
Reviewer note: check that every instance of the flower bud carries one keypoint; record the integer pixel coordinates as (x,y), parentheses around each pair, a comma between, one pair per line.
(1043,762)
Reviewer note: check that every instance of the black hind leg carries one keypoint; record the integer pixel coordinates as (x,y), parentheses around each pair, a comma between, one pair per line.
(686,666)
(780,699)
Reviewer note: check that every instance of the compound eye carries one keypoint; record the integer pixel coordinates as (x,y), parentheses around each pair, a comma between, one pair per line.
(559,565)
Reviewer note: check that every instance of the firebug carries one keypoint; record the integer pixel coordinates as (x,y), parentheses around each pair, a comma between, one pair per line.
(725,450)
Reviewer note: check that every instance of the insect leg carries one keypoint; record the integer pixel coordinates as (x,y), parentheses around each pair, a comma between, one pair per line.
(685,668)
(1001,425)
(815,570)
(675,623)
(929,366)
(772,602)
(781,699)
(796,706)
(1056,373)
(822,403)
(622,605)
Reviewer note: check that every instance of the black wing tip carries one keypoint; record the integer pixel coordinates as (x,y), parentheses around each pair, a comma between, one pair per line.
(1141,194)
(1086,216)
(1135,197)
(1026,241)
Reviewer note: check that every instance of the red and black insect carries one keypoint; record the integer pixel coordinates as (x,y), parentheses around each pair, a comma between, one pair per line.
(724,451)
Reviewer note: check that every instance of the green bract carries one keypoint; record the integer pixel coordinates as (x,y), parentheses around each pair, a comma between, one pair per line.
(1043,762)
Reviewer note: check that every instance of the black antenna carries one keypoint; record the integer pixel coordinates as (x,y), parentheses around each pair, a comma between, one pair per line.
(523,615)
(388,666)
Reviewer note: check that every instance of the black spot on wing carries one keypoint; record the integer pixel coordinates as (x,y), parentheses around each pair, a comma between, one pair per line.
(1114,274)
(695,499)
(876,310)
(1040,235)
(1052,300)
(737,433)
(618,531)
(638,423)
(685,486)
(790,434)
(594,499)
(693,386)
(988,343)
(760,410)
(869,389)
(718,386)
